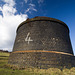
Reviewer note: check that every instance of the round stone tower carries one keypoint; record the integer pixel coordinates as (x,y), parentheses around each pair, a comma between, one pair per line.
(42,42)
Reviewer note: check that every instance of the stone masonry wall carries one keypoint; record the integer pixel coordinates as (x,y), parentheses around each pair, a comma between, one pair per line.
(42,43)
(40,60)
(44,35)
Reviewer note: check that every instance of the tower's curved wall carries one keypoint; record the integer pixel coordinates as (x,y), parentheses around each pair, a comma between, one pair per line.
(42,37)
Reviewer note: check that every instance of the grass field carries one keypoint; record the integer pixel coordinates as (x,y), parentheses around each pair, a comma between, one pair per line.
(7,70)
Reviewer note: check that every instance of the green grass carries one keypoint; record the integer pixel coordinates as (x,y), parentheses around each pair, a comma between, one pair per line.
(6,69)
(4,54)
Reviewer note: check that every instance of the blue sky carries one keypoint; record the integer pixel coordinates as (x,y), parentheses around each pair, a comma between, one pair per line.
(13,12)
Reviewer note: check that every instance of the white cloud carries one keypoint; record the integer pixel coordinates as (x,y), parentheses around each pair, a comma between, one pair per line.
(31,8)
(34,9)
(9,23)
(8,10)
(31,1)
(26,1)
(9,2)
(32,4)
(40,1)
(28,10)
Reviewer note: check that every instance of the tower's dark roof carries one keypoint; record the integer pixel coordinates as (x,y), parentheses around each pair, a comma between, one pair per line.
(43,19)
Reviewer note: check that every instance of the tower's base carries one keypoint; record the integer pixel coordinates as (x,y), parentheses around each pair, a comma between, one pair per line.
(41,59)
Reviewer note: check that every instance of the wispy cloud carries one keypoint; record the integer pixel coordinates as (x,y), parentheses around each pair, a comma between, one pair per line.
(40,1)
(8,24)
(31,1)
(31,8)
(33,5)
(34,9)
(26,1)
(28,10)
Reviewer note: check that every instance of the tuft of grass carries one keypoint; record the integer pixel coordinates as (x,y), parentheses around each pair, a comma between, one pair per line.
(66,72)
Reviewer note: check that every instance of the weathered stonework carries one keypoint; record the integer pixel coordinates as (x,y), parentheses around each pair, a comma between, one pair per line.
(42,42)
